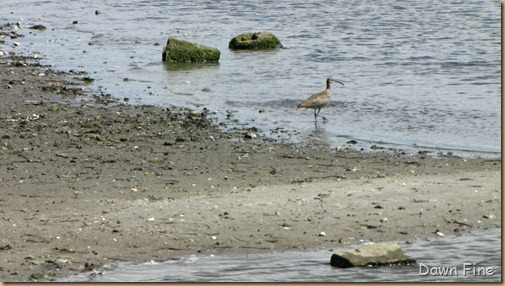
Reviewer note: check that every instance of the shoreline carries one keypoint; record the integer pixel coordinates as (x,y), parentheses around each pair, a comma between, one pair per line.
(88,180)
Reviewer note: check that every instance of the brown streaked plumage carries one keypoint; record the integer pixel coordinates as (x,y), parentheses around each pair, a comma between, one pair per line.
(319,100)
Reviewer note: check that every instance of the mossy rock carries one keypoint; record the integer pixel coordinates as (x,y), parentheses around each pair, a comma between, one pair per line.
(183,52)
(255,41)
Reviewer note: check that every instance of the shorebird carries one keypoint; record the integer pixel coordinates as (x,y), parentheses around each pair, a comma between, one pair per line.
(319,100)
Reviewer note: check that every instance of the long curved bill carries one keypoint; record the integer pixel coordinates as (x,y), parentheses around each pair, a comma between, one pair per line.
(337,81)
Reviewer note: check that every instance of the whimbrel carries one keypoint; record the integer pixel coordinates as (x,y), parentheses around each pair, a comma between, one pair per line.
(319,100)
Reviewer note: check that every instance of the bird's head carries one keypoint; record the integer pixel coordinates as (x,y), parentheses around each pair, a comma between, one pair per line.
(330,80)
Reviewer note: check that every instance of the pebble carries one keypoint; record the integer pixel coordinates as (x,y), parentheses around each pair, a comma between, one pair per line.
(62,261)
(250,135)
(37,262)
(344,239)
(490,216)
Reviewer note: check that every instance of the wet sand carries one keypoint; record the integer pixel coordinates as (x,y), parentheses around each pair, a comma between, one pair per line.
(87,181)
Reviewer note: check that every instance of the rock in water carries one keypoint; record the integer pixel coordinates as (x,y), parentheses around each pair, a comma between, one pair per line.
(38,27)
(184,52)
(255,41)
(380,254)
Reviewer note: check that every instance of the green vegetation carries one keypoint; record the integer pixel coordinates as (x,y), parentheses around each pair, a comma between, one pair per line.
(255,41)
(183,52)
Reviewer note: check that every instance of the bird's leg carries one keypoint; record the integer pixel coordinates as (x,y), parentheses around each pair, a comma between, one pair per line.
(315,114)
(319,110)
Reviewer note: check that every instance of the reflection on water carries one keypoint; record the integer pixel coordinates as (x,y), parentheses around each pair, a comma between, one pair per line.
(175,67)
(480,249)
(319,135)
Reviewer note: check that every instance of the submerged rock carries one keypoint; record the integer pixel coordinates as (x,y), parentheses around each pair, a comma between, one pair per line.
(255,41)
(381,254)
(37,27)
(183,52)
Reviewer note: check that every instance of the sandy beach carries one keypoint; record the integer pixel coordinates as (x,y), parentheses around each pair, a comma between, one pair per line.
(87,181)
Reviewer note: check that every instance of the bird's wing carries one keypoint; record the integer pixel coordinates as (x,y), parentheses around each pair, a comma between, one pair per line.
(315,100)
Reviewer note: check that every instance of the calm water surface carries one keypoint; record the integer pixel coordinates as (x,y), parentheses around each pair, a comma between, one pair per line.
(481,247)
(416,73)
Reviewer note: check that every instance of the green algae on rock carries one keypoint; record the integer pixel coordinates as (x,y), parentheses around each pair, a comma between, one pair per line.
(255,41)
(183,52)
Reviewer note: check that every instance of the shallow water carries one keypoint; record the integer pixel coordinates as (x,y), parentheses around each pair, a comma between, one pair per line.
(480,247)
(422,73)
